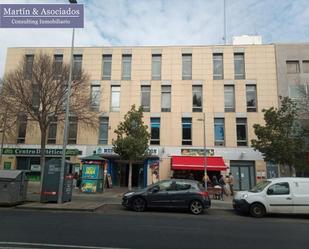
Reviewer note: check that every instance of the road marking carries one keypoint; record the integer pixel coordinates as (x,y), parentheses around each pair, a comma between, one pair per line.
(54,245)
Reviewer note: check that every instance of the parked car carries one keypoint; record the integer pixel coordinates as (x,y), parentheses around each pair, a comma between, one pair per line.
(174,193)
(278,195)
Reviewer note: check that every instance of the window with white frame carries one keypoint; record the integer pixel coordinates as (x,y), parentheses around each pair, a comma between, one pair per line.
(126,66)
(145,98)
(156,67)
(187,66)
(107,66)
(115,98)
(165,98)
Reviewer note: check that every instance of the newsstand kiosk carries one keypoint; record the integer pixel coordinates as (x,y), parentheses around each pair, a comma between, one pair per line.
(93,173)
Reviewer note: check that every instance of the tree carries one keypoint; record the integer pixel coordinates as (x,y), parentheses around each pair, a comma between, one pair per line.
(281,139)
(38,91)
(132,139)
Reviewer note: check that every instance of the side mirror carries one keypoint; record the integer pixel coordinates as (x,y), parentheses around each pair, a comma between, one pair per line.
(270,191)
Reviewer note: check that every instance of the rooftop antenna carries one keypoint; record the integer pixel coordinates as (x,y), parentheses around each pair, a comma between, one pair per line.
(224,22)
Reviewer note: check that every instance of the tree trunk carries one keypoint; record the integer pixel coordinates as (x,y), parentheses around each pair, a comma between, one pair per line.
(130,176)
(42,156)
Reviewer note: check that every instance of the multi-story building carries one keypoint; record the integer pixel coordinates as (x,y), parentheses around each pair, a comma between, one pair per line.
(293,75)
(176,85)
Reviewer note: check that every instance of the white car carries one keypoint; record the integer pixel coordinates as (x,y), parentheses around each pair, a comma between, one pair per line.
(277,195)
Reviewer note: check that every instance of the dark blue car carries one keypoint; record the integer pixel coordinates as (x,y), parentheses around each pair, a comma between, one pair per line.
(174,193)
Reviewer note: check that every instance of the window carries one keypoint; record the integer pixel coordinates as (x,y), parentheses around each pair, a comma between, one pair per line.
(219,131)
(305,66)
(35,96)
(95,97)
(241,131)
(77,66)
(292,66)
(186,66)
(165,98)
(166,186)
(181,186)
(155,130)
(281,188)
(145,98)
(197,98)
(239,66)
(72,137)
(107,66)
(52,131)
(217,66)
(126,66)
(229,98)
(186,131)
(22,128)
(58,60)
(103,130)
(115,100)
(296,92)
(156,67)
(251,98)
(29,65)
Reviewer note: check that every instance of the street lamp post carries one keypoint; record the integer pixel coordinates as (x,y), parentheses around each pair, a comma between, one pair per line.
(205,152)
(66,119)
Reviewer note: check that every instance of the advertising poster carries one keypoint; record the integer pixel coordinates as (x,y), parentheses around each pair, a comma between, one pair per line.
(90,171)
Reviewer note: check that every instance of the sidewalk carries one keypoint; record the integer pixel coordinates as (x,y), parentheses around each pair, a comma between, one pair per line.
(91,202)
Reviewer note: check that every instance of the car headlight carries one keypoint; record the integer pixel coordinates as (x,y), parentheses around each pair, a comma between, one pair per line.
(244,196)
(129,194)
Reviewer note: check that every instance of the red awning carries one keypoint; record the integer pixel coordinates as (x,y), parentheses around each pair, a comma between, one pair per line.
(214,163)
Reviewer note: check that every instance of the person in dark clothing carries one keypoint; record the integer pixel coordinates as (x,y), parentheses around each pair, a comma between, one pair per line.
(215,180)
(222,185)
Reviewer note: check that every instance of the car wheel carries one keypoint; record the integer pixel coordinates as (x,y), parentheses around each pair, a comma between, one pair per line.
(139,204)
(257,210)
(196,207)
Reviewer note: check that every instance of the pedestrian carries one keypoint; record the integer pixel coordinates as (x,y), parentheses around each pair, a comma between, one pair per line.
(215,180)
(231,182)
(222,185)
(206,179)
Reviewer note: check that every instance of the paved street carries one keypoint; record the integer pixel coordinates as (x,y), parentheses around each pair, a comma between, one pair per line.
(113,227)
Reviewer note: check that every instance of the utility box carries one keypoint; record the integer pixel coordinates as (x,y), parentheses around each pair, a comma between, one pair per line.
(50,185)
(13,187)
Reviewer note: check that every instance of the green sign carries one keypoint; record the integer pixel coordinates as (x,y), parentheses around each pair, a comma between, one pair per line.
(7,165)
(36,152)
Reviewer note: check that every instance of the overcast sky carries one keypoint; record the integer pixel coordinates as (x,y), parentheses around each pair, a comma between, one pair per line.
(169,22)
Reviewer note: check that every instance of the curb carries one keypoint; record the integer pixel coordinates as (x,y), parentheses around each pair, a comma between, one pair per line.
(92,210)
(89,210)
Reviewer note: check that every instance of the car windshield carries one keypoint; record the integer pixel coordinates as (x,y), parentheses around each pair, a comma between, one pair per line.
(260,186)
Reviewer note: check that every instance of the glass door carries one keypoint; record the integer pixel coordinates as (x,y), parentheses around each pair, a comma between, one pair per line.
(243,173)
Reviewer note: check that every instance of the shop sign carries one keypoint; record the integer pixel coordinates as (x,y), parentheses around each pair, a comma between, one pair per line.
(109,151)
(36,152)
(197,152)
(41,15)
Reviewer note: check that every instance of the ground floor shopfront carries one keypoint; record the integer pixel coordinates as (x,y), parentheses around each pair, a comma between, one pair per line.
(27,157)
(246,165)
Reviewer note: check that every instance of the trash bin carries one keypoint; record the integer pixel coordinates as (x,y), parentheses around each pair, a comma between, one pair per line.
(51,180)
(13,187)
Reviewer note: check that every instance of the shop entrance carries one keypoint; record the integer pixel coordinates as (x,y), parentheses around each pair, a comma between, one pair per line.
(243,173)
(120,172)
